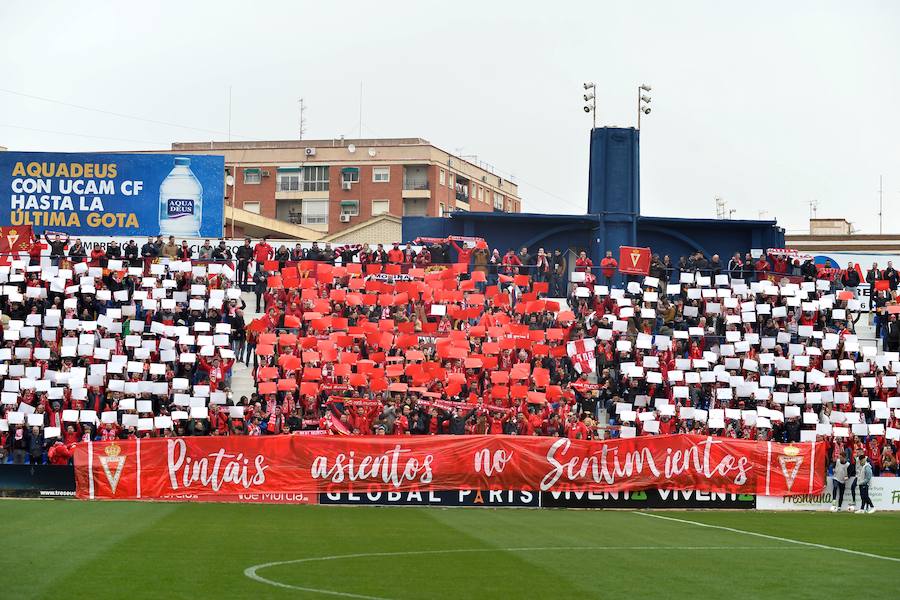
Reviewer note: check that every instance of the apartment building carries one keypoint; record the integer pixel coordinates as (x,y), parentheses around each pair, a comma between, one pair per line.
(332,185)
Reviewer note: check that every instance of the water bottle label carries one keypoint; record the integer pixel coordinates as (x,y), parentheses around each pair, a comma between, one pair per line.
(179,207)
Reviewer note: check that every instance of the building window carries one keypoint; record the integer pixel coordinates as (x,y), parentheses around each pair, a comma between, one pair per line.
(350,207)
(498,201)
(251,207)
(350,175)
(315,179)
(289,181)
(441,208)
(442,177)
(252,176)
(380,207)
(315,212)
(381,174)
(481,194)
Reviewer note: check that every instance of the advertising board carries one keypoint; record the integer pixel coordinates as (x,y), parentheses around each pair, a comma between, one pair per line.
(647,499)
(37,481)
(106,194)
(515,498)
(884,492)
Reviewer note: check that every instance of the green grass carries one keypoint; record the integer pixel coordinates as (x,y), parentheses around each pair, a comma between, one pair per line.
(68,549)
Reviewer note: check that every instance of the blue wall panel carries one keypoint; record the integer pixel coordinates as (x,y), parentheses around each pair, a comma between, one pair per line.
(614,187)
(680,237)
(675,237)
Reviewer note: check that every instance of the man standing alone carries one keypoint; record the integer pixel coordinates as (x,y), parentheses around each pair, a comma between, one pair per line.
(864,476)
(262,252)
(839,482)
(243,254)
(609,265)
(557,274)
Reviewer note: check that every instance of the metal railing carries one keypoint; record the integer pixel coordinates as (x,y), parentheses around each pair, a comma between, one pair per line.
(415,184)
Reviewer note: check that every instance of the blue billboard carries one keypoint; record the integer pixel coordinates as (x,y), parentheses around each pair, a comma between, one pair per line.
(113,194)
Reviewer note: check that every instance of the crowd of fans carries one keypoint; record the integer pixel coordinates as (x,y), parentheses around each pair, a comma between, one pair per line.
(439,336)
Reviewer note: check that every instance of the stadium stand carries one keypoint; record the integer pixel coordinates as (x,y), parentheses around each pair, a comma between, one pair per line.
(438,336)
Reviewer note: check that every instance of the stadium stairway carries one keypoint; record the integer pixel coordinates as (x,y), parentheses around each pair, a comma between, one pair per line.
(242,383)
(865,330)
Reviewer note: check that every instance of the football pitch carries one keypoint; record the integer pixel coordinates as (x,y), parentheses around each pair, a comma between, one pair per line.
(69,549)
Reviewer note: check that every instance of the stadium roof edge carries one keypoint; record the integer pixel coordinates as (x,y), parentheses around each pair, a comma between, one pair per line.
(730,222)
(485,216)
(590,218)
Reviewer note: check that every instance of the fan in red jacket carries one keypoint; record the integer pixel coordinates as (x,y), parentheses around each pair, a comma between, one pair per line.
(216,371)
(583,264)
(263,251)
(511,262)
(59,453)
(609,265)
(464,255)
(395,254)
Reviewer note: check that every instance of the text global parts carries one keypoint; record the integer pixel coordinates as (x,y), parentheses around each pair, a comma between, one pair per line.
(134,194)
(518,498)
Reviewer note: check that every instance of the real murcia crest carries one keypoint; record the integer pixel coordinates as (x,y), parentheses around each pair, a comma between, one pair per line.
(112,464)
(790,465)
(12,236)
(635,257)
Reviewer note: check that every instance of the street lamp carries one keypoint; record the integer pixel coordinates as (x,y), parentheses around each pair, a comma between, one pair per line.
(643,102)
(229,181)
(591,99)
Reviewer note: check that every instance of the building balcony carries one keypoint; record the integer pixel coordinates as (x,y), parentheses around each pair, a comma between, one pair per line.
(288,194)
(415,184)
(416,188)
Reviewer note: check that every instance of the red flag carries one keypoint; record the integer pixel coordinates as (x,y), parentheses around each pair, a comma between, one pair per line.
(15,239)
(635,261)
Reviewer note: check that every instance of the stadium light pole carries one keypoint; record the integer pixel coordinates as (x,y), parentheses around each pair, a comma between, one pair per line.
(643,102)
(591,97)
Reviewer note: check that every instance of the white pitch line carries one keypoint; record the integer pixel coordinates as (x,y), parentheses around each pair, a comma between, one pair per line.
(770,537)
(251,572)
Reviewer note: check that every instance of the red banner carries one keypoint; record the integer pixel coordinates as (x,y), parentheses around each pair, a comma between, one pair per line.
(217,468)
(634,261)
(15,239)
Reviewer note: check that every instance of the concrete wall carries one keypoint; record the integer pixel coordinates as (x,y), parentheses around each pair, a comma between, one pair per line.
(380,231)
(829,227)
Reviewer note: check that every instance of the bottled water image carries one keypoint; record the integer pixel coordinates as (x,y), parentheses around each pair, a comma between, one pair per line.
(180,201)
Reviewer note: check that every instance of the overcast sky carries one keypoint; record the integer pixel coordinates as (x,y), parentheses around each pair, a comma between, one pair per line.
(768,104)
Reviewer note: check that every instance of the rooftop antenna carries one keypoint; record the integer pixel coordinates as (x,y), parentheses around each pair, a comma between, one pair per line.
(229,113)
(813,207)
(302,118)
(721,210)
